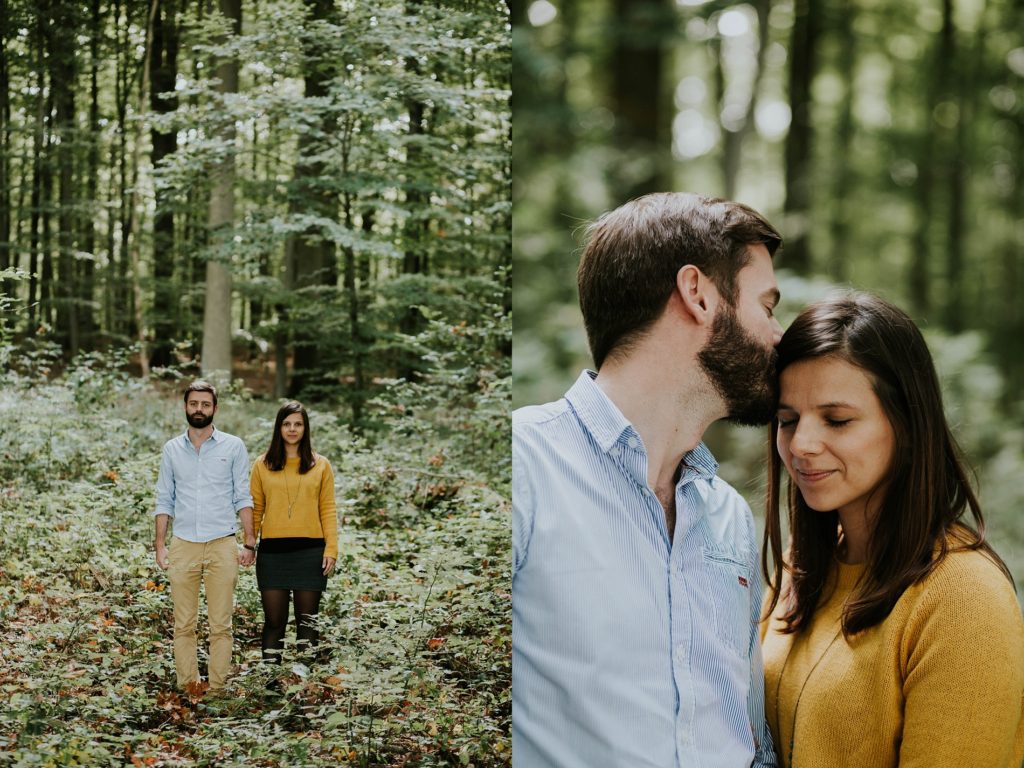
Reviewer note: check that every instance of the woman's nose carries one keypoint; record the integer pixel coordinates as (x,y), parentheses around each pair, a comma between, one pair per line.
(805,442)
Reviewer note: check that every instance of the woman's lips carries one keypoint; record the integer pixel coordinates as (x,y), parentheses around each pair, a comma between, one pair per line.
(814,476)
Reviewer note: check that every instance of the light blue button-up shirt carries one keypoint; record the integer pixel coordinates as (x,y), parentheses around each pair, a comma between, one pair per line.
(628,651)
(203,490)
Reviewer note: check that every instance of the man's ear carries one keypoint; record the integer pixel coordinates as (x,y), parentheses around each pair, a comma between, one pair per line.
(698,294)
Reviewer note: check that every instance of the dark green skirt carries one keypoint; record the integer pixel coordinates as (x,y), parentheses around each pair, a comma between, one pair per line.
(298,569)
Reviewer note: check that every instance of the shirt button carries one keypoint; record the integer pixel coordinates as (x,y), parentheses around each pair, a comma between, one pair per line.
(633,443)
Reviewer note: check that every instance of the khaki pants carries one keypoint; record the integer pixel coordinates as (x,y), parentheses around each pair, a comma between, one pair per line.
(191,564)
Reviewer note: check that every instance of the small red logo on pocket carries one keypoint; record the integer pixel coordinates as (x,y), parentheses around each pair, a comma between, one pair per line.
(743,580)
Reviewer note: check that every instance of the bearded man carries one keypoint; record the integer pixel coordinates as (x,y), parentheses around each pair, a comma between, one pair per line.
(203,487)
(635,588)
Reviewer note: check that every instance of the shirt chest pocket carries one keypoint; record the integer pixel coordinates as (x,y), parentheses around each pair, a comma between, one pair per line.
(730,579)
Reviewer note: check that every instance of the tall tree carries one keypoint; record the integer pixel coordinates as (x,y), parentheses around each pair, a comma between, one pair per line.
(736,131)
(63,60)
(637,67)
(930,153)
(311,251)
(216,354)
(417,194)
(123,310)
(843,213)
(92,172)
(5,149)
(803,61)
(163,64)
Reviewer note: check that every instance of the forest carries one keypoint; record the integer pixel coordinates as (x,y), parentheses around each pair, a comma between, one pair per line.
(885,140)
(293,199)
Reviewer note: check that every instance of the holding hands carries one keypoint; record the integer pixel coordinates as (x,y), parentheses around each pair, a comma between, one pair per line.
(247,555)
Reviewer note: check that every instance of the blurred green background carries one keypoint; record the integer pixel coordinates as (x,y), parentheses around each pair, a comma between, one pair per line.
(884,138)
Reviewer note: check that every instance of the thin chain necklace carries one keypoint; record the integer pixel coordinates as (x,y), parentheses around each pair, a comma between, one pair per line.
(778,688)
(288,489)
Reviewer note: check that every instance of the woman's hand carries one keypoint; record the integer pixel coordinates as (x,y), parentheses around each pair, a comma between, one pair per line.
(328,565)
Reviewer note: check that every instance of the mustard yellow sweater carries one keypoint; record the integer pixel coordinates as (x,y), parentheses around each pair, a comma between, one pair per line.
(938,684)
(311,497)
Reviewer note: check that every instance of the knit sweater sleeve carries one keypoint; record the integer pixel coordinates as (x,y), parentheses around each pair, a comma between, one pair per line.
(328,511)
(259,498)
(963,669)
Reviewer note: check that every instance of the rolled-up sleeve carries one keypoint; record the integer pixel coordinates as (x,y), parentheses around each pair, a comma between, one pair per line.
(241,495)
(165,485)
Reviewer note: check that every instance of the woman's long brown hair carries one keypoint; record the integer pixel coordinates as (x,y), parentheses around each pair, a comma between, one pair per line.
(275,456)
(927,491)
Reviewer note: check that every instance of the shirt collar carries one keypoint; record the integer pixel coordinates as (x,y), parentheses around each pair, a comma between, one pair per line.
(598,414)
(213,436)
(605,422)
(701,461)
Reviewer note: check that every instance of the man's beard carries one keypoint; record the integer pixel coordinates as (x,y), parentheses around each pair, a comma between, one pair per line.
(742,370)
(199,420)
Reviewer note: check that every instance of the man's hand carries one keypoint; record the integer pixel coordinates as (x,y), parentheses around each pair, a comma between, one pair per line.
(161,555)
(247,556)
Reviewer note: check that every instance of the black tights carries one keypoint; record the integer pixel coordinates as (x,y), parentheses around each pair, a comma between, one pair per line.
(275,612)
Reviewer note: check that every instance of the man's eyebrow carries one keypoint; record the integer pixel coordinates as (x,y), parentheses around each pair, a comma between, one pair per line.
(773,295)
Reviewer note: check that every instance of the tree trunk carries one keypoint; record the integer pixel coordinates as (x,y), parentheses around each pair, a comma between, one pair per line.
(961,159)
(803,62)
(931,144)
(315,258)
(356,394)
(46,292)
(39,169)
(417,222)
(163,67)
(87,316)
(124,308)
(62,60)
(216,355)
(735,134)
(5,158)
(842,212)
(637,67)
(135,245)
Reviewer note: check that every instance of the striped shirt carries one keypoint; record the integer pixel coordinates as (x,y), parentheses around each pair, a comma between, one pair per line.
(628,649)
(202,491)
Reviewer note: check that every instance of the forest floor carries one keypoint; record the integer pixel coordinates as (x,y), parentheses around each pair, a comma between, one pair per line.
(416,625)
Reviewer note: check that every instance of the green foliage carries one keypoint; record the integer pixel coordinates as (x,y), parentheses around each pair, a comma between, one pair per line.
(413,667)
(341,172)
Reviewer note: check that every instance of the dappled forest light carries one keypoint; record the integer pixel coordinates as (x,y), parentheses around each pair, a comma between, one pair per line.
(884,139)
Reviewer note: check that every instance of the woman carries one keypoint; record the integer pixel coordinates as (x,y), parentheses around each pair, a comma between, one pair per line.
(895,638)
(296,518)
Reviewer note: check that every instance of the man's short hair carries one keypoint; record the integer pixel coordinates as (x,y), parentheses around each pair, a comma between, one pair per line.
(632,256)
(201,386)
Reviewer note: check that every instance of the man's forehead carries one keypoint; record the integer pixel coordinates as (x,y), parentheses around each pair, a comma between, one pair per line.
(200,397)
(759,273)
